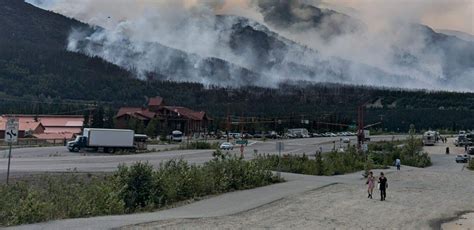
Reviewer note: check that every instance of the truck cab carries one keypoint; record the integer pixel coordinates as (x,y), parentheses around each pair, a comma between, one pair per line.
(77,144)
(177,136)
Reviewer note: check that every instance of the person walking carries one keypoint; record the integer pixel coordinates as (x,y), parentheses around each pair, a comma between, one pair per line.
(398,163)
(383,185)
(371,184)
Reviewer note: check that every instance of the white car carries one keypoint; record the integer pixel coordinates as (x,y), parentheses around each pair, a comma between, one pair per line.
(346,140)
(227,146)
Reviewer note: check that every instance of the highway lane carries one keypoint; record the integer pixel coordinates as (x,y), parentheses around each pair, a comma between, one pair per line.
(62,151)
(58,159)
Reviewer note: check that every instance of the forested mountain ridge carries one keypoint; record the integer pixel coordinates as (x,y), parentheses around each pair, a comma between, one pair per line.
(34,60)
(38,75)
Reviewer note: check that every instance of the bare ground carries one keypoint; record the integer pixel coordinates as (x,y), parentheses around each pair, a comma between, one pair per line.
(416,199)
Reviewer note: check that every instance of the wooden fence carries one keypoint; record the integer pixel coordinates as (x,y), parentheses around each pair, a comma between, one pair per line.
(25,142)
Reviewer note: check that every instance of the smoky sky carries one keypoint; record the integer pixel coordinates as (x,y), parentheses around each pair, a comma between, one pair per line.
(378,35)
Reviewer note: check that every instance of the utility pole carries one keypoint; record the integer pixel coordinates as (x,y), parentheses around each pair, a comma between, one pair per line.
(381,120)
(241,125)
(228,125)
(360,129)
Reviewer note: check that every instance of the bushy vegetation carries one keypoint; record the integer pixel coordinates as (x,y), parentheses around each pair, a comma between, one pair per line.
(409,152)
(380,156)
(133,188)
(329,164)
(67,196)
(199,145)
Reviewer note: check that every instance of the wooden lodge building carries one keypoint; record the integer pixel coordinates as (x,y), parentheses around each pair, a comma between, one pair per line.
(169,117)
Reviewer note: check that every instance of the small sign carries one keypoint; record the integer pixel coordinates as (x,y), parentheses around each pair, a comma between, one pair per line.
(280,146)
(11,130)
(242,142)
(365,147)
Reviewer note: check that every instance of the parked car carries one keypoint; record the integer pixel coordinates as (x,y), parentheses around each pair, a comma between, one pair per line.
(462,158)
(470,151)
(346,140)
(271,135)
(247,136)
(462,140)
(227,146)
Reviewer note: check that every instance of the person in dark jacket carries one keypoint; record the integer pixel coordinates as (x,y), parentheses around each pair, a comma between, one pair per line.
(383,185)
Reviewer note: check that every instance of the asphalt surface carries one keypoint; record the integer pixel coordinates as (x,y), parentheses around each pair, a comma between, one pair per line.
(59,159)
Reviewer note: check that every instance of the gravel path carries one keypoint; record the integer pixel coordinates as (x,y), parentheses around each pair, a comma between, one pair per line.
(416,199)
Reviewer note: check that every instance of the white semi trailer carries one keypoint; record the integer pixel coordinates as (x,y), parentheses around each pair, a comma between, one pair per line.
(109,140)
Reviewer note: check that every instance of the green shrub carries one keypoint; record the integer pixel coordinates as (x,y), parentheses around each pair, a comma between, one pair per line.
(57,198)
(411,153)
(319,164)
(333,163)
(132,188)
(135,184)
(199,145)
(30,209)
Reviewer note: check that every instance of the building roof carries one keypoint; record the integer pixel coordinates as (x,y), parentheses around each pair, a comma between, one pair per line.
(75,130)
(24,125)
(155,101)
(54,120)
(139,113)
(146,114)
(62,122)
(187,113)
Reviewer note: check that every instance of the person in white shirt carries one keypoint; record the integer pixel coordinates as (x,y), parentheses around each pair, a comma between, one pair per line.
(398,163)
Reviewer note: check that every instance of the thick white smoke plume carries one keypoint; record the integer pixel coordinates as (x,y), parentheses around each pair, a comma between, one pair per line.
(265,42)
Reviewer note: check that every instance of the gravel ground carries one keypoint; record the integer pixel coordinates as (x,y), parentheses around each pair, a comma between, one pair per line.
(416,199)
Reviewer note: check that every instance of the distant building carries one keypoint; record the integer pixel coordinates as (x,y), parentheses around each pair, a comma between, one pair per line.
(169,117)
(26,128)
(46,126)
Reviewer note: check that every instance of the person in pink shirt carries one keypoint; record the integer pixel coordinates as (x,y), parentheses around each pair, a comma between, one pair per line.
(371,184)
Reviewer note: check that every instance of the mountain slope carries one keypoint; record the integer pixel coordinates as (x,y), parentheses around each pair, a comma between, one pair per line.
(38,75)
(297,16)
(248,53)
(454,56)
(34,60)
(461,35)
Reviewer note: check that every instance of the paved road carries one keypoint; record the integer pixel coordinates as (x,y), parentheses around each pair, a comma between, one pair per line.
(58,159)
(61,151)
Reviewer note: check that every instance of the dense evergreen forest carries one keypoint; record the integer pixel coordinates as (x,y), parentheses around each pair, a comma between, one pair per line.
(38,76)
(324,103)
